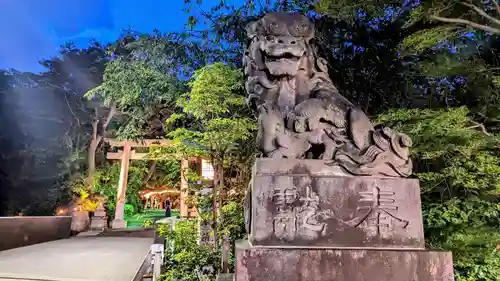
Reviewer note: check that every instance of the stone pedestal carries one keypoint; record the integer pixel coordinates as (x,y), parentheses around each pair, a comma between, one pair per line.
(99,220)
(261,263)
(309,221)
(98,223)
(79,221)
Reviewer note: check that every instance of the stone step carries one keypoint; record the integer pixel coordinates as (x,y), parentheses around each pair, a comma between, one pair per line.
(260,263)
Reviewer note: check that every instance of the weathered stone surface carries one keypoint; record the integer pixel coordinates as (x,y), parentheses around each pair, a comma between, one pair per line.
(258,264)
(329,200)
(99,220)
(295,204)
(80,221)
(301,112)
(98,223)
(23,231)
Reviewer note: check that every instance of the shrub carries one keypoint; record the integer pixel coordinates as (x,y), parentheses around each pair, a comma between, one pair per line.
(186,260)
(129,210)
(231,222)
(458,166)
(148,223)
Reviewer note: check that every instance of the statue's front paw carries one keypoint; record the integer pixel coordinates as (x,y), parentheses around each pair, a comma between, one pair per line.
(330,162)
(328,154)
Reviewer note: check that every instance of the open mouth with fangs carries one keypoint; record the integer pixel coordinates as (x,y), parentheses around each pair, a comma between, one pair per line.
(285,56)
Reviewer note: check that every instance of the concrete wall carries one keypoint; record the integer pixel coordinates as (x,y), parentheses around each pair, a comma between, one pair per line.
(22,231)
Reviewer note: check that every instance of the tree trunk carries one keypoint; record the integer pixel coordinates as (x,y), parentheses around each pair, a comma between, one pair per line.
(217,181)
(91,153)
(150,173)
(96,139)
(221,182)
(91,162)
(216,199)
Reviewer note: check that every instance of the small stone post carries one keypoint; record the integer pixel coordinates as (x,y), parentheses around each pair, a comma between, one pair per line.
(99,220)
(226,248)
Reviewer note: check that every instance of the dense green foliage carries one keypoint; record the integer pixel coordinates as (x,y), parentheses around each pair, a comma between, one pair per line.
(216,104)
(232,221)
(140,93)
(459,169)
(185,258)
(106,183)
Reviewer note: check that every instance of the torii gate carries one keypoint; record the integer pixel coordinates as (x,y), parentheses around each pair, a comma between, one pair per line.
(128,153)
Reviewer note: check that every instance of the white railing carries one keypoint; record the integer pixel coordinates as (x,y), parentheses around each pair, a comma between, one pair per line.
(157,258)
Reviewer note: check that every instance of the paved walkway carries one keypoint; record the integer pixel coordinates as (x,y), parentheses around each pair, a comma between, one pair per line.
(76,259)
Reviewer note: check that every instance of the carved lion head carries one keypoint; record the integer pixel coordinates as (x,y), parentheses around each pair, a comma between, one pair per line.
(279,41)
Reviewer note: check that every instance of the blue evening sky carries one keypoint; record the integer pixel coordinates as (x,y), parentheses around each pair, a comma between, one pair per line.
(31,30)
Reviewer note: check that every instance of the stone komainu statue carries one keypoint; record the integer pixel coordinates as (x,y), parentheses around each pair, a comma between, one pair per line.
(301,113)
